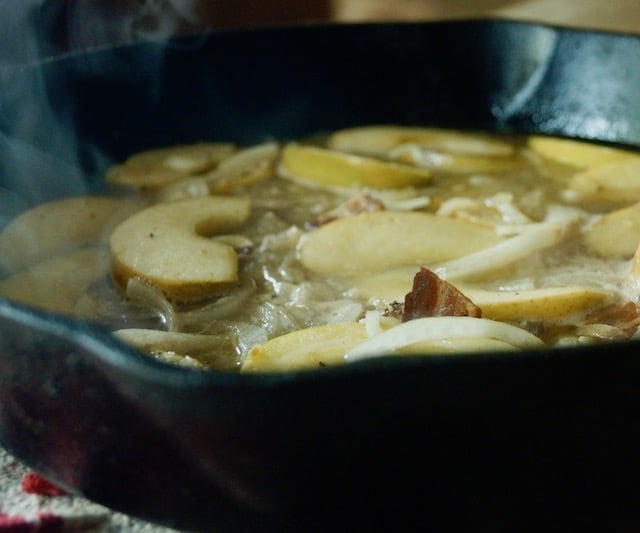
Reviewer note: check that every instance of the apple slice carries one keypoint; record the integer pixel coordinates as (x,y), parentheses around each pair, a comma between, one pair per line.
(574,152)
(379,141)
(151,169)
(169,246)
(57,283)
(59,226)
(614,181)
(306,348)
(547,303)
(615,234)
(331,168)
(374,241)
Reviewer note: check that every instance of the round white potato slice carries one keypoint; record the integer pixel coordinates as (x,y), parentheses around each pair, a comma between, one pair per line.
(380,140)
(58,226)
(615,234)
(305,348)
(573,152)
(168,245)
(614,181)
(398,338)
(57,283)
(374,241)
(155,168)
(331,168)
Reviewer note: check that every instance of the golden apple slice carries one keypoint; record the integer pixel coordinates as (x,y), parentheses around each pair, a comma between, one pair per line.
(379,141)
(331,168)
(57,283)
(574,152)
(548,303)
(169,246)
(58,226)
(375,241)
(614,181)
(151,169)
(615,234)
(244,168)
(306,348)
(414,154)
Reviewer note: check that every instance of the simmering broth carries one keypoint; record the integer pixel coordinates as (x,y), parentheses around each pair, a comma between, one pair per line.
(369,241)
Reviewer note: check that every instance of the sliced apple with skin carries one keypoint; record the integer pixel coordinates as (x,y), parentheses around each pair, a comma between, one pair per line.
(380,140)
(331,168)
(614,181)
(574,152)
(151,169)
(57,283)
(548,303)
(168,245)
(58,226)
(615,234)
(375,241)
(306,348)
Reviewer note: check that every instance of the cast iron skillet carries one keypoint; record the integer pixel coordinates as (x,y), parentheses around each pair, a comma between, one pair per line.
(453,443)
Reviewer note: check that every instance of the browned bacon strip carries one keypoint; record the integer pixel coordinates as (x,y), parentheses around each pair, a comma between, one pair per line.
(432,296)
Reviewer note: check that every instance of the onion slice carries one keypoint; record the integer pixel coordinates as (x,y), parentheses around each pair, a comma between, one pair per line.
(534,237)
(434,328)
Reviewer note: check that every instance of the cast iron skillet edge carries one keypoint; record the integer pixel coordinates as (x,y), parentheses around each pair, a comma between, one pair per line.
(512,443)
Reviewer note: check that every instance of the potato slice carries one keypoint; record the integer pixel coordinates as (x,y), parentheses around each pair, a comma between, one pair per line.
(547,303)
(375,241)
(168,246)
(615,181)
(155,168)
(58,226)
(331,168)
(573,152)
(305,348)
(615,234)
(57,283)
(380,140)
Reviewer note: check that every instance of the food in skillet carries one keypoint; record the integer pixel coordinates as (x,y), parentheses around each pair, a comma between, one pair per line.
(368,241)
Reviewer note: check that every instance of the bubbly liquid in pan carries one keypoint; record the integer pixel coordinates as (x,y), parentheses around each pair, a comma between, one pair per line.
(378,240)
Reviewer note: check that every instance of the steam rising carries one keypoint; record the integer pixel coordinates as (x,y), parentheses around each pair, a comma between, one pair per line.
(39,157)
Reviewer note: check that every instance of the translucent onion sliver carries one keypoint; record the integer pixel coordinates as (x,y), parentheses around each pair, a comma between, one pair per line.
(433,328)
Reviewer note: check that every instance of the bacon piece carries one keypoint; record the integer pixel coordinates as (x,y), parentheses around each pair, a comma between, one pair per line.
(432,296)
(363,203)
(625,317)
